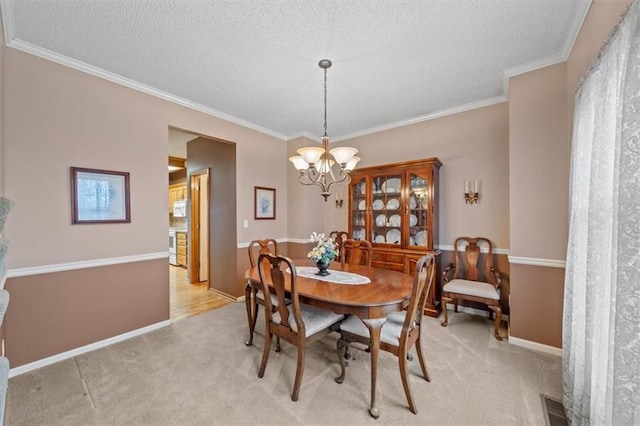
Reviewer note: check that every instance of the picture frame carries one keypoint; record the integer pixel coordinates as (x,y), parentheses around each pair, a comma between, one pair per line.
(99,196)
(264,203)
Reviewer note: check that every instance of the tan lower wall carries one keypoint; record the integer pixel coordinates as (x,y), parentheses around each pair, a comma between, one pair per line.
(56,312)
(536,304)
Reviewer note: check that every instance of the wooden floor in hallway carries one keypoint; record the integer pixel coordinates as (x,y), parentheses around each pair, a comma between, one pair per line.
(190,299)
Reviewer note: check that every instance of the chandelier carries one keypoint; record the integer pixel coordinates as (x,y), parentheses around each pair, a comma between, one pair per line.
(315,165)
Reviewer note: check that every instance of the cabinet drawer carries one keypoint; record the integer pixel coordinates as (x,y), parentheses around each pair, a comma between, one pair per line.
(394,258)
(181,260)
(377,256)
(182,250)
(390,266)
(181,236)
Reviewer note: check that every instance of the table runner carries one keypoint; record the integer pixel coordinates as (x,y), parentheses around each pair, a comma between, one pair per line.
(336,277)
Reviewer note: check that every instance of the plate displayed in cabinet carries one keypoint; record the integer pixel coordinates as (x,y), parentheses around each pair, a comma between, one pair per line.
(362,205)
(391,185)
(394,220)
(412,241)
(378,205)
(379,239)
(413,220)
(421,238)
(393,204)
(393,236)
(381,220)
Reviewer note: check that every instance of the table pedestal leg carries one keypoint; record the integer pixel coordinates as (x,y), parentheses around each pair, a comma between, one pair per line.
(374,325)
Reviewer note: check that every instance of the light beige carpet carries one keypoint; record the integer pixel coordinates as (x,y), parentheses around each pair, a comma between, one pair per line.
(198,371)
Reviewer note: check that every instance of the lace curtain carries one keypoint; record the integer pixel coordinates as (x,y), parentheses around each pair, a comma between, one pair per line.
(601,327)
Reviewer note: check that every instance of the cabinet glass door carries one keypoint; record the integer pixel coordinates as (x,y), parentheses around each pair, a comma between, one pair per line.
(419,232)
(358,208)
(386,209)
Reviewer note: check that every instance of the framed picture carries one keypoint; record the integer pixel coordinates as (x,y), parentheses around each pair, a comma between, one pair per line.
(264,200)
(99,196)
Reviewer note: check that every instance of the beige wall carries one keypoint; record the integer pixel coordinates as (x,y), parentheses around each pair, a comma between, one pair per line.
(539,163)
(58,117)
(471,145)
(2,48)
(541,116)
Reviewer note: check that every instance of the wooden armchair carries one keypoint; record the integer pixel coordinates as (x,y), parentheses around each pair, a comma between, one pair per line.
(399,333)
(296,323)
(254,297)
(339,237)
(356,252)
(465,280)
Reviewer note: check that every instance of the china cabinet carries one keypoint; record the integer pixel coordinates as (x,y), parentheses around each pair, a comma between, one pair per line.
(395,207)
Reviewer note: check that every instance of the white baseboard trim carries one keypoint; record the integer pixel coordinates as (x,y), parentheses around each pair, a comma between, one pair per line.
(60,267)
(473,311)
(535,346)
(87,348)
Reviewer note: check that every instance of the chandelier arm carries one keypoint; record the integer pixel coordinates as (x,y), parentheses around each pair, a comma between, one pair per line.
(345,178)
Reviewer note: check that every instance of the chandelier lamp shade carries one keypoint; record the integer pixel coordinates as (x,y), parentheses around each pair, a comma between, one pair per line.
(316,165)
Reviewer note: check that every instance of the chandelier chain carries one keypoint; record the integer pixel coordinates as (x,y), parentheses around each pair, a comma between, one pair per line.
(325,102)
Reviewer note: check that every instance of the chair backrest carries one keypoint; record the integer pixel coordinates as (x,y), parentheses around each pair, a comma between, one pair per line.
(258,247)
(422,282)
(339,237)
(280,272)
(356,252)
(466,257)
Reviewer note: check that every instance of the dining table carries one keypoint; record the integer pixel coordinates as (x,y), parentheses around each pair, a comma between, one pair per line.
(373,294)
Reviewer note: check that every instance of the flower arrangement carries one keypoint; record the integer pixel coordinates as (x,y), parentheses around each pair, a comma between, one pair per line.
(325,250)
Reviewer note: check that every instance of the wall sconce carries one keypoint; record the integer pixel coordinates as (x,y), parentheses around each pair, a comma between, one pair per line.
(339,201)
(471,192)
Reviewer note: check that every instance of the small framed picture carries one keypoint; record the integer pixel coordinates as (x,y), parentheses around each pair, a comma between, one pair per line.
(264,200)
(99,196)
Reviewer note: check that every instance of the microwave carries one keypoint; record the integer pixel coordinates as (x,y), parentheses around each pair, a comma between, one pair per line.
(180,209)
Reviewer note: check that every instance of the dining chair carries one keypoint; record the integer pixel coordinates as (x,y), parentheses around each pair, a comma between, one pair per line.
(356,252)
(254,297)
(400,332)
(297,323)
(339,237)
(466,280)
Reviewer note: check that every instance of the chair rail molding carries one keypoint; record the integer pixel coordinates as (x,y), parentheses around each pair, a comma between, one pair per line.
(533,261)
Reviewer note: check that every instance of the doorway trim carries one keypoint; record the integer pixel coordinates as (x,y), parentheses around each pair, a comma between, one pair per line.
(194,229)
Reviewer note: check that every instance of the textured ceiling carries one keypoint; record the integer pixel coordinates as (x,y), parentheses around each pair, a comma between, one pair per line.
(256,62)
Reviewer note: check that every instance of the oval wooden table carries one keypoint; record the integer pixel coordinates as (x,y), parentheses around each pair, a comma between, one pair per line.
(389,291)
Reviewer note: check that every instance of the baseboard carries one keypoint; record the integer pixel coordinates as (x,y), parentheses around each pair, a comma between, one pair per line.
(87,348)
(226,296)
(474,311)
(535,346)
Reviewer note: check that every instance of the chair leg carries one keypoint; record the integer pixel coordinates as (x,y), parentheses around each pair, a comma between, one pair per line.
(278,348)
(342,346)
(252,312)
(265,353)
(496,327)
(423,364)
(443,302)
(302,352)
(402,359)
(455,305)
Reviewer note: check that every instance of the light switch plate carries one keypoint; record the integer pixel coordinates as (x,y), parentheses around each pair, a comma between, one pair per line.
(245,223)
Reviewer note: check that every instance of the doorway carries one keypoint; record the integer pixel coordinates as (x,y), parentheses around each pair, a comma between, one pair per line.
(200,195)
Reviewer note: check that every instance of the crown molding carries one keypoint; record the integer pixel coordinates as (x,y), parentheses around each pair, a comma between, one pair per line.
(576,25)
(123,81)
(426,117)
(553,59)
(6,8)
(533,261)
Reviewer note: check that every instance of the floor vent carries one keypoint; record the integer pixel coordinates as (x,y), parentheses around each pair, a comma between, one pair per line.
(554,414)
